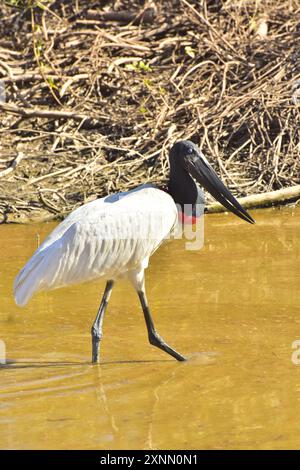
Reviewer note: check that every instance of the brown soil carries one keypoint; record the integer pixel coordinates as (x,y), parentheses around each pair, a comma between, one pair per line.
(96,93)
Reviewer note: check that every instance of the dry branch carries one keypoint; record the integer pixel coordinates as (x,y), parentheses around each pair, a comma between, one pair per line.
(272,198)
(13,165)
(42,113)
(143,75)
(123,16)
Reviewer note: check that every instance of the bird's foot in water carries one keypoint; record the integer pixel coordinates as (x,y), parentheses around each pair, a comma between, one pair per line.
(95,347)
(157,341)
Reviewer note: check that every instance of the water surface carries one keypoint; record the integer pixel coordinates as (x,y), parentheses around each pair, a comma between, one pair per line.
(232,308)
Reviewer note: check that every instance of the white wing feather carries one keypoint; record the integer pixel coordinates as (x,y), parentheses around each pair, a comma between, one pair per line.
(105,238)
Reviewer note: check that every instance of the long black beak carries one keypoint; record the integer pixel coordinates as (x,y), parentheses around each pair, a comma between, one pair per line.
(200,169)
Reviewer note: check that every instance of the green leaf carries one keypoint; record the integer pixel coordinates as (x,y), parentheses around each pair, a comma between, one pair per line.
(51,82)
(143,66)
(190,51)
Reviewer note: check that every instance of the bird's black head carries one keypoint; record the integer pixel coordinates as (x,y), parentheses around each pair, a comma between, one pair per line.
(183,151)
(186,156)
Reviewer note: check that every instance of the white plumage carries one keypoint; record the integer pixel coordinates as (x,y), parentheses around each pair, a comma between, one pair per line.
(110,237)
(115,237)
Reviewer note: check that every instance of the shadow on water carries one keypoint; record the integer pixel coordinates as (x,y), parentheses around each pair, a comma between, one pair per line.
(203,357)
(28,365)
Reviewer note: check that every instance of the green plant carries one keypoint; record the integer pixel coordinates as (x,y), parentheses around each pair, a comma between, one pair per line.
(138,66)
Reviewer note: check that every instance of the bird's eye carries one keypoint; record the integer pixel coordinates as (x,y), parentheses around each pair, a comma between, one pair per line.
(190,151)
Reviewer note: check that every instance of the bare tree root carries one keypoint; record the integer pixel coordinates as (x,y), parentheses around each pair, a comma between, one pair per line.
(255,201)
(94,95)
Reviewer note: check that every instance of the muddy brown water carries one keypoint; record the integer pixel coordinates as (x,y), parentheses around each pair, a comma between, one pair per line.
(232,308)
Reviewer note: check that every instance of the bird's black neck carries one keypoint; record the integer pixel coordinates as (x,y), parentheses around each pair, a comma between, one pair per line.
(183,189)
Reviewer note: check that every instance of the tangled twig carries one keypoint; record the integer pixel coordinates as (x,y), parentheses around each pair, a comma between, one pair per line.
(95,97)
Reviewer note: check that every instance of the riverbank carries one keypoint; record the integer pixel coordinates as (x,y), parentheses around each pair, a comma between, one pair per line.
(93,97)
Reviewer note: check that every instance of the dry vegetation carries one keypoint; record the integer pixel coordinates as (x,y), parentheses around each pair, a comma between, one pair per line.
(97,92)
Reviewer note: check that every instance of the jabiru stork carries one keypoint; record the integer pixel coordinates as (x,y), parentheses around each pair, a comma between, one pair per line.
(115,236)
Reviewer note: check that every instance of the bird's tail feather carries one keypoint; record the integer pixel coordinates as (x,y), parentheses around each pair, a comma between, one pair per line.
(28,280)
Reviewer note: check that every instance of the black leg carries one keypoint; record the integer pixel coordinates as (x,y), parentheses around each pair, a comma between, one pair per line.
(154,337)
(97,325)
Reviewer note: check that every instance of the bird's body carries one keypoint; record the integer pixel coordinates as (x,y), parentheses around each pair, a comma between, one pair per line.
(115,236)
(111,237)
